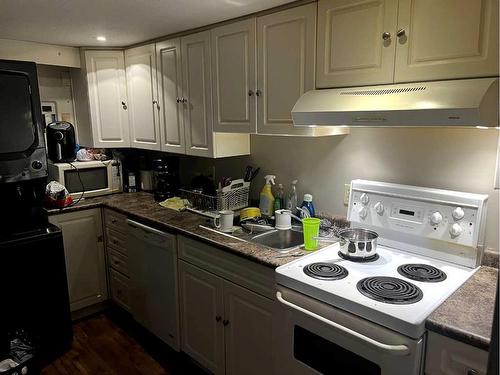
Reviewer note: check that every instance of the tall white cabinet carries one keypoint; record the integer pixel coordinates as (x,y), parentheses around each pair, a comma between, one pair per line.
(234,73)
(142,92)
(366,42)
(85,257)
(100,96)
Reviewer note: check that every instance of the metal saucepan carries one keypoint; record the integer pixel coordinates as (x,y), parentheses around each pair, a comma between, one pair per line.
(358,243)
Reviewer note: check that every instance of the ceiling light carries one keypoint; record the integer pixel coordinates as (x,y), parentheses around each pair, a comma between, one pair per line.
(482,127)
(101,38)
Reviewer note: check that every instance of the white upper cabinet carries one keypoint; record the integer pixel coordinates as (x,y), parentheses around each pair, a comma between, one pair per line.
(356,42)
(234,77)
(197,94)
(169,73)
(100,96)
(286,43)
(446,39)
(142,93)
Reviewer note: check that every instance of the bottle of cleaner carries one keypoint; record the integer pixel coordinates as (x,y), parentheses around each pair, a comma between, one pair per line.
(307,205)
(291,197)
(266,204)
(278,199)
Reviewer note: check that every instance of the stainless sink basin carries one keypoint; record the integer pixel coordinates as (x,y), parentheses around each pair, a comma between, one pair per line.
(280,240)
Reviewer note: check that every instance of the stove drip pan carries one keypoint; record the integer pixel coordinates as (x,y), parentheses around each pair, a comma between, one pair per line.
(325,271)
(390,290)
(422,272)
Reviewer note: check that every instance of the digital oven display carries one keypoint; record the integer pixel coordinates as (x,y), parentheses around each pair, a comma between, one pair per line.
(407,212)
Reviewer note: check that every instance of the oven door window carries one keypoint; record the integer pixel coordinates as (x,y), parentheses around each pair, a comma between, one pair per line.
(17,128)
(327,357)
(89,179)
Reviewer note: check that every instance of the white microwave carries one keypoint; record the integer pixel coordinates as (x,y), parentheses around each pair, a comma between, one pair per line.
(92,178)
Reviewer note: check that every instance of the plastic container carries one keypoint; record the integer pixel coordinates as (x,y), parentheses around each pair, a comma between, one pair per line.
(311,229)
(308,206)
(291,197)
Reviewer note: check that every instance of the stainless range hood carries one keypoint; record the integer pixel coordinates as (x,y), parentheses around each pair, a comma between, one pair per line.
(470,102)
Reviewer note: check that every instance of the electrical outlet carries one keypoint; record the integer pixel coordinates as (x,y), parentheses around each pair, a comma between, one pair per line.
(347,193)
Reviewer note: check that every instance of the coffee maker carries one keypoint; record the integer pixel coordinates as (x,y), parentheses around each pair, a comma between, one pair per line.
(165,178)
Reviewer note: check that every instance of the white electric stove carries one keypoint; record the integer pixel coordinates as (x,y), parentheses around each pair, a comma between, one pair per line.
(375,310)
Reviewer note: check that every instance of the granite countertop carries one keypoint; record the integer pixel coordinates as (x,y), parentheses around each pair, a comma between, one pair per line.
(467,315)
(142,207)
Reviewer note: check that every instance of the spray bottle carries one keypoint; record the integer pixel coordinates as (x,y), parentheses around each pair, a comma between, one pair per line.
(291,197)
(266,204)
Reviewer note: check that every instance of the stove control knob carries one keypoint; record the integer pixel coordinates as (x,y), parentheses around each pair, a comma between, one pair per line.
(456,230)
(436,218)
(379,208)
(458,213)
(363,212)
(364,199)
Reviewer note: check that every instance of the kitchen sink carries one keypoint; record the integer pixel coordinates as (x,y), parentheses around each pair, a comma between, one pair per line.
(280,240)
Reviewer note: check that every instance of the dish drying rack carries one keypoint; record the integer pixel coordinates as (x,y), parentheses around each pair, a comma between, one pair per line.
(232,197)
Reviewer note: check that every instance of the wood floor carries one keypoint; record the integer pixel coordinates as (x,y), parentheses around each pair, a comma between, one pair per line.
(101,347)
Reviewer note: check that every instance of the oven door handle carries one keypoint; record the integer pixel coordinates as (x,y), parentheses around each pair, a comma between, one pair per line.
(399,350)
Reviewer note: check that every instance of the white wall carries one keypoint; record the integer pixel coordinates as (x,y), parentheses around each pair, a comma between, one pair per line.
(456,159)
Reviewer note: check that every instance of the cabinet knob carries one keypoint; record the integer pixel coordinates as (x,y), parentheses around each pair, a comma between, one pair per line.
(386,35)
(124,105)
(184,100)
(250,93)
(218,318)
(178,100)
(155,102)
(258,93)
(113,221)
(472,372)
(401,33)
(225,322)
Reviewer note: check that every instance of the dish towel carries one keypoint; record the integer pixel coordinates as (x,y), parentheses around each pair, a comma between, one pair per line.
(175,203)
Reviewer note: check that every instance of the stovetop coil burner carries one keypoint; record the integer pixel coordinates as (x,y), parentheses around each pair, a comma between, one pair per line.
(325,271)
(422,272)
(389,290)
(372,258)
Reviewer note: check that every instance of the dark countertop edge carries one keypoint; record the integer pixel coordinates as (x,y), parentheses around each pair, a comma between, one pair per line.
(163,226)
(437,324)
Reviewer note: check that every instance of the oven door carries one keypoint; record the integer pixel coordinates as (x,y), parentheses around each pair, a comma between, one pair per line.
(315,338)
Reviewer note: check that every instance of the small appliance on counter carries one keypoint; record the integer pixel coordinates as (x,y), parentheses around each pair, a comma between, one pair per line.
(61,141)
(165,178)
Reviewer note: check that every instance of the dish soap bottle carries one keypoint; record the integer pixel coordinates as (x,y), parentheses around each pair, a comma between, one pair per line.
(278,200)
(266,197)
(308,206)
(291,197)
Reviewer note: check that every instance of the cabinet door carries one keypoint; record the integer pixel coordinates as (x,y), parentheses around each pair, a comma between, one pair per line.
(352,47)
(84,252)
(197,94)
(447,39)
(202,331)
(142,97)
(248,331)
(285,66)
(169,70)
(107,98)
(234,77)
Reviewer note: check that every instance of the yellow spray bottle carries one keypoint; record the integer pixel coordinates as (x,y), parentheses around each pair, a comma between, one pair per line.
(266,203)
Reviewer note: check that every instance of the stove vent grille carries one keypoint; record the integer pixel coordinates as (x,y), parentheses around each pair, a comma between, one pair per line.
(384,91)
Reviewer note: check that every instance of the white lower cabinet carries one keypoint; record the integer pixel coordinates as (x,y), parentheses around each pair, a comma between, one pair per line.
(225,327)
(445,356)
(85,258)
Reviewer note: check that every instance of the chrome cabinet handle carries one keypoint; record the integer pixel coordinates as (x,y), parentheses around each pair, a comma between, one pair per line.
(401,33)
(386,35)
(391,349)
(124,105)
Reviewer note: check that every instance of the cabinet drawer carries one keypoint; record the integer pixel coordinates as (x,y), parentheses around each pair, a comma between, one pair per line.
(118,261)
(115,221)
(258,278)
(119,285)
(116,240)
(446,356)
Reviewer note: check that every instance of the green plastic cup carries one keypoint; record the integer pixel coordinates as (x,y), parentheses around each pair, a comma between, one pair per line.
(311,230)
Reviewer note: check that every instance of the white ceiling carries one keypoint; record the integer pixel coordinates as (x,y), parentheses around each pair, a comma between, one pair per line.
(123,22)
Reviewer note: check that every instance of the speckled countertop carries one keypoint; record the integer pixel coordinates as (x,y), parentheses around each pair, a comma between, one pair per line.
(467,315)
(142,207)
